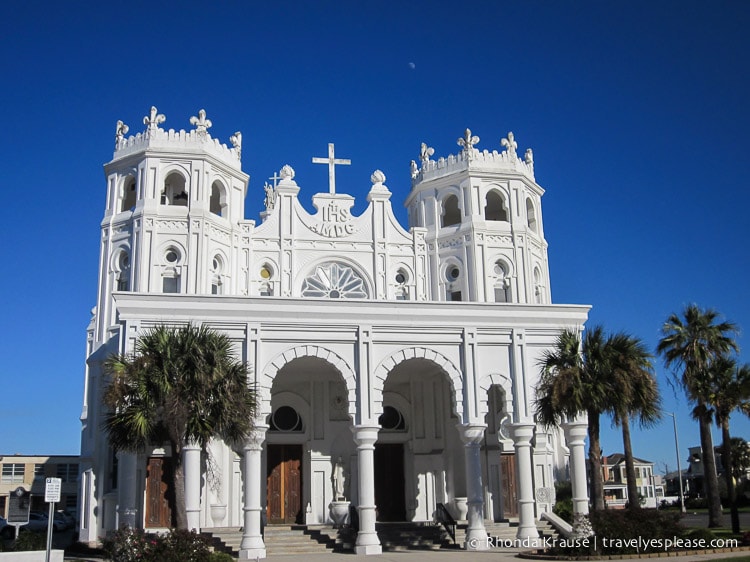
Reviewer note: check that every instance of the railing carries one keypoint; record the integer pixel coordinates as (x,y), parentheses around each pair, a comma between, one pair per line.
(446,520)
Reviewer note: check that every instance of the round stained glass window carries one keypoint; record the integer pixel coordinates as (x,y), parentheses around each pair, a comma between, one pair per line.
(400,278)
(286,418)
(171,256)
(454,272)
(334,281)
(391,419)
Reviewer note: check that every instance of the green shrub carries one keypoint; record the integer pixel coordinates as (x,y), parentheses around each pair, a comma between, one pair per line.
(627,524)
(29,540)
(701,533)
(130,545)
(563,507)
(220,557)
(181,546)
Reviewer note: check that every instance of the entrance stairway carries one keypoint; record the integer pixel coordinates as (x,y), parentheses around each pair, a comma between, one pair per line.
(310,539)
(287,539)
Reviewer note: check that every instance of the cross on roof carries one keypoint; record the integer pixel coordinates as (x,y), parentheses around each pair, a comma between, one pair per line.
(275,179)
(331,161)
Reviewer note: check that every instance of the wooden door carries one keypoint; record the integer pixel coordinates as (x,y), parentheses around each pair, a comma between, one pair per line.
(159,496)
(284,484)
(390,482)
(508,476)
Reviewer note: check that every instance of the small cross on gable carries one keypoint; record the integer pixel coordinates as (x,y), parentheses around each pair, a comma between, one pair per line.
(331,161)
(275,179)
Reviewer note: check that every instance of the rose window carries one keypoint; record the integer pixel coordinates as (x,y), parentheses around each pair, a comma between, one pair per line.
(334,281)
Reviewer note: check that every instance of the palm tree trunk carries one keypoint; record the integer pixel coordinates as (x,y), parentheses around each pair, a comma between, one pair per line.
(726,460)
(595,461)
(633,499)
(179,487)
(710,479)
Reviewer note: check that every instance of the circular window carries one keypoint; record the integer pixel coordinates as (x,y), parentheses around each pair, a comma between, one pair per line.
(286,418)
(216,264)
(171,256)
(124,261)
(400,278)
(499,269)
(391,419)
(454,272)
(265,272)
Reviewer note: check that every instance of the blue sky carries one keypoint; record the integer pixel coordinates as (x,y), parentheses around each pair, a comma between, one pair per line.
(636,111)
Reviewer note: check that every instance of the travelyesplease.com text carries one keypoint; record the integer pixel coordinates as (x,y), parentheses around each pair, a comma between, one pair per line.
(639,544)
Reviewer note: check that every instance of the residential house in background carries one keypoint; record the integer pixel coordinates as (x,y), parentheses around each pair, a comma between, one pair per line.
(615,482)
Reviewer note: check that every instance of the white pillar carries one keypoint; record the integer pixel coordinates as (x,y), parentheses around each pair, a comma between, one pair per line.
(252,545)
(522,435)
(575,436)
(191,461)
(476,534)
(367,538)
(126,490)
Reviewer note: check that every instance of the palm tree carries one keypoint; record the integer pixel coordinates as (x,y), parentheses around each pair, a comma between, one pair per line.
(635,395)
(573,381)
(728,392)
(180,385)
(691,346)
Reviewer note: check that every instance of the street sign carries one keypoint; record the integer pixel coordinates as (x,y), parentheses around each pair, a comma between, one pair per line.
(52,490)
(19,505)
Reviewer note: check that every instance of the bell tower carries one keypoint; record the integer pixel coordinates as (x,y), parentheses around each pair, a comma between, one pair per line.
(174,213)
(482,212)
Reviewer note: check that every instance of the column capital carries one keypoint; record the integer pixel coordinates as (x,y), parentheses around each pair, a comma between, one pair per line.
(365,435)
(255,439)
(191,445)
(522,433)
(575,430)
(471,433)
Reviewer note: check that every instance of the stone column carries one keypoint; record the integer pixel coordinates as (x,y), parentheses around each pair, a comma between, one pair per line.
(575,436)
(191,461)
(476,534)
(367,539)
(252,546)
(522,435)
(126,490)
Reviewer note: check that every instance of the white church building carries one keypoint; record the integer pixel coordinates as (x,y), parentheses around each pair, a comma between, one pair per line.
(395,367)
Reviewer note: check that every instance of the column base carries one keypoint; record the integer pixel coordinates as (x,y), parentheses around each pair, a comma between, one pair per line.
(252,553)
(527,532)
(476,539)
(368,549)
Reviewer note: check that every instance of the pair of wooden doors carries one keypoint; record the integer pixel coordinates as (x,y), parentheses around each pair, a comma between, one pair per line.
(284,484)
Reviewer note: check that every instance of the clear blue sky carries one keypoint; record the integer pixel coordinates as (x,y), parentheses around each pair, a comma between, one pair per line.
(637,113)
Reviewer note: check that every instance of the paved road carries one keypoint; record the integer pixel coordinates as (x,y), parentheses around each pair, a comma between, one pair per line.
(701,520)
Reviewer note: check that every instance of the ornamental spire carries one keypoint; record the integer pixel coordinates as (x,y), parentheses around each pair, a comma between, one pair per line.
(153,120)
(200,123)
(467,142)
(510,144)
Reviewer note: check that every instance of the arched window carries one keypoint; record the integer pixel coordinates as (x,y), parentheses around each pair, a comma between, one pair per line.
(451,212)
(501,282)
(401,280)
(174,190)
(217,281)
(218,202)
(538,287)
(530,215)
(391,419)
(170,281)
(494,208)
(122,275)
(128,195)
(453,285)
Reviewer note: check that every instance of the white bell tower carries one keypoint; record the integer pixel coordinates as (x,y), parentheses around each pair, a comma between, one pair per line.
(483,215)
(175,204)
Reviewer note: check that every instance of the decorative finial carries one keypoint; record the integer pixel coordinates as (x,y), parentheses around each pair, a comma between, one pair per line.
(201,123)
(510,144)
(414,169)
(529,157)
(154,120)
(120,131)
(467,142)
(426,151)
(236,140)
(377,177)
(287,172)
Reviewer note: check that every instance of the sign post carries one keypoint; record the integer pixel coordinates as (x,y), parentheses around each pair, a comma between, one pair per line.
(19,505)
(51,496)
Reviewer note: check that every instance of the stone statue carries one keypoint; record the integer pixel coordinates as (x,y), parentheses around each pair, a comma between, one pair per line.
(270,196)
(414,169)
(338,480)
(236,140)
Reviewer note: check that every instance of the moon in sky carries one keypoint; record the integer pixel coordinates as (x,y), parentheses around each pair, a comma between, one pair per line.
(412,65)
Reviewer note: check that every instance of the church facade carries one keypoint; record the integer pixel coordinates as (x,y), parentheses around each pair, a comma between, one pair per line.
(395,368)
